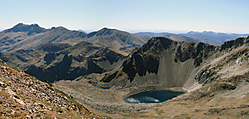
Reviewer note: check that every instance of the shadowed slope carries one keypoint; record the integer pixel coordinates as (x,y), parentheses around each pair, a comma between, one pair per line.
(56,61)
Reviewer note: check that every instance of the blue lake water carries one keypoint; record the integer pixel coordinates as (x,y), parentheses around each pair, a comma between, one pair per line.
(152,96)
(101,87)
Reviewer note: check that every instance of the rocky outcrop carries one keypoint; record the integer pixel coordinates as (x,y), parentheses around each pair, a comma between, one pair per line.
(146,59)
(54,47)
(234,43)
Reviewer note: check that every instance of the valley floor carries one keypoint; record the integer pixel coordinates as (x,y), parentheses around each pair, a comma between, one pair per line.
(109,102)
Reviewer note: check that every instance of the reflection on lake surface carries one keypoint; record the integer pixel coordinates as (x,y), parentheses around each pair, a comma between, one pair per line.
(152,96)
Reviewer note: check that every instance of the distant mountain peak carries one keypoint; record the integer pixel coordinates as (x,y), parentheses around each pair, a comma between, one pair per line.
(80,30)
(153,34)
(192,32)
(59,28)
(209,32)
(205,32)
(20,27)
(102,32)
(110,29)
(26,25)
(105,28)
(19,24)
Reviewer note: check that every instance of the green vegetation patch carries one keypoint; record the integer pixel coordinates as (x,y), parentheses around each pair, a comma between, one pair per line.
(14,68)
(3,63)
(69,98)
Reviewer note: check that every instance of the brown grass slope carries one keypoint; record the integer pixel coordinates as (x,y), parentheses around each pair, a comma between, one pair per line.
(23,96)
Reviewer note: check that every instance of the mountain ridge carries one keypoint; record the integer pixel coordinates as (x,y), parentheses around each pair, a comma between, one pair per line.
(57,61)
(146,60)
(217,37)
(20,27)
(211,36)
(27,37)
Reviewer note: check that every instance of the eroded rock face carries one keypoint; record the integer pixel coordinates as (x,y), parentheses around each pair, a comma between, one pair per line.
(139,64)
(166,63)
(54,47)
(147,58)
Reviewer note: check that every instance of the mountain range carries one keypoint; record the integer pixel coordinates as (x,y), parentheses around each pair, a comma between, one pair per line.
(206,36)
(100,71)
(57,61)
(38,51)
(27,37)
(23,36)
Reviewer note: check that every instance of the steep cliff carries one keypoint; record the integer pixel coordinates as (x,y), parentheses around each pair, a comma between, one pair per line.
(162,62)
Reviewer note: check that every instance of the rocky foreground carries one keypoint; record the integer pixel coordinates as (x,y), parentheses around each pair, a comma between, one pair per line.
(23,96)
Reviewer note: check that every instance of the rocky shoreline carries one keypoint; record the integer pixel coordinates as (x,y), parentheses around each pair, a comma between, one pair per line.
(104,100)
(110,102)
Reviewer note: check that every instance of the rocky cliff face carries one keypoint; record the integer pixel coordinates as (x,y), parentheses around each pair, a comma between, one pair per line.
(146,59)
(162,62)
(23,96)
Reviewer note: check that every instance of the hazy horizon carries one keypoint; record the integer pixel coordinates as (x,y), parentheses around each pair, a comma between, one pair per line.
(225,16)
(132,31)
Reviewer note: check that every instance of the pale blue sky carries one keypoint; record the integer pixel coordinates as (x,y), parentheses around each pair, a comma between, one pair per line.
(230,16)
